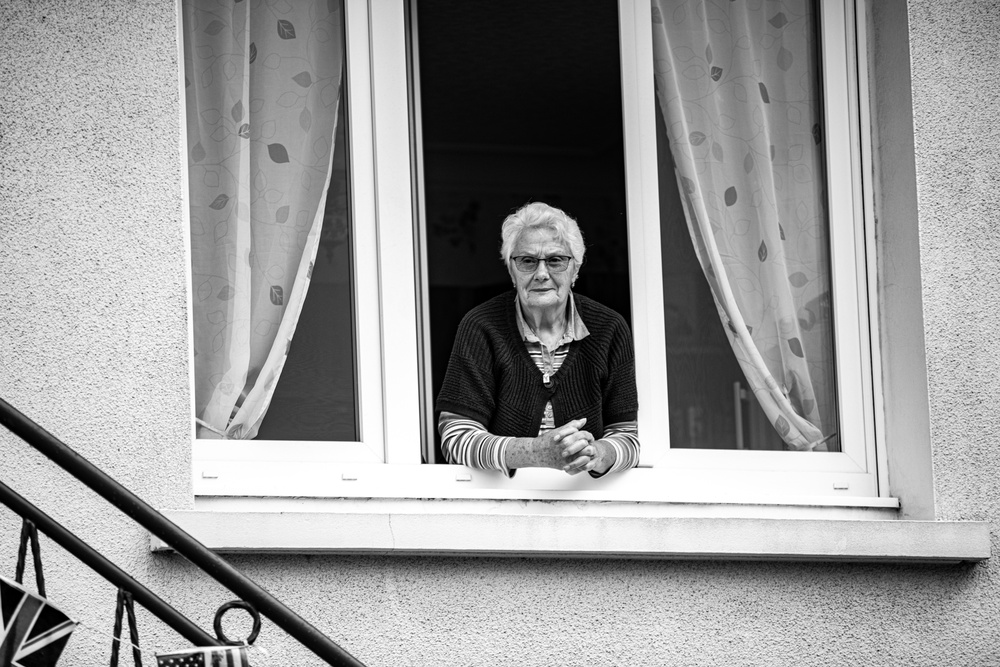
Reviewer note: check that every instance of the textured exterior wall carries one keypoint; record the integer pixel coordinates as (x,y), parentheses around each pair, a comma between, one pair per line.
(93,344)
(956,93)
(92,335)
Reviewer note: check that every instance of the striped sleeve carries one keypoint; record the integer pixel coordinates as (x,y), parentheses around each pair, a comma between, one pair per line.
(467,442)
(624,440)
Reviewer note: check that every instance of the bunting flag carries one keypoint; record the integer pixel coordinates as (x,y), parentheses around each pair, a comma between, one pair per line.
(212,656)
(33,633)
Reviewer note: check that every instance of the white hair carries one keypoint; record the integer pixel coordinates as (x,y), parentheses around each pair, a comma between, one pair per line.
(535,215)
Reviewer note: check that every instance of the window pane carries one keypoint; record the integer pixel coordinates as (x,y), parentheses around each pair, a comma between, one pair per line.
(520,101)
(316,396)
(745,234)
(270,233)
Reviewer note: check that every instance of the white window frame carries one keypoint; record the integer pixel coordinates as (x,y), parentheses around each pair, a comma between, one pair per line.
(385,462)
(852,471)
(377,250)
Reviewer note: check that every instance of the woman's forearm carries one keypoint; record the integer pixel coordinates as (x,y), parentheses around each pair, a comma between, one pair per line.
(465,441)
(623,439)
(526,453)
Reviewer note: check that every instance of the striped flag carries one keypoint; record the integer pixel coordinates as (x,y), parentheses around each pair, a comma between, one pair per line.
(212,656)
(33,633)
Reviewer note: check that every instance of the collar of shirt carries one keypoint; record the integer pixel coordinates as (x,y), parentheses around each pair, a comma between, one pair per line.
(576,330)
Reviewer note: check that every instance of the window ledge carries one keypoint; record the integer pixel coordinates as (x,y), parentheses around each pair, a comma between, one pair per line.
(571,529)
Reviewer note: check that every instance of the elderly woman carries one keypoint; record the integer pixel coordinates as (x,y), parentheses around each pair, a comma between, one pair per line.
(541,377)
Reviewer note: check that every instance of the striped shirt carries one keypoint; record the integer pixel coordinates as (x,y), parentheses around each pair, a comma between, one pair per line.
(467,442)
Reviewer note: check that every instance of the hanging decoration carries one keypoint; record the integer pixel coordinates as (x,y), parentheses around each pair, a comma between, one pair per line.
(233,655)
(205,656)
(125,606)
(33,632)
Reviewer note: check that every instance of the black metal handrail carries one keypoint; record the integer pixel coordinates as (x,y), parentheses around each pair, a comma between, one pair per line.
(111,572)
(150,519)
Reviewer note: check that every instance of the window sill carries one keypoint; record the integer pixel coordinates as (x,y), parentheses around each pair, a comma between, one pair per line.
(574,529)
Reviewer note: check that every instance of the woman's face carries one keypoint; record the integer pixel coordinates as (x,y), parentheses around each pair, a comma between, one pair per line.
(542,289)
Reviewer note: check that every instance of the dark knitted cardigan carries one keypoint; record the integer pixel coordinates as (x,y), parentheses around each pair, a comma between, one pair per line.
(491,377)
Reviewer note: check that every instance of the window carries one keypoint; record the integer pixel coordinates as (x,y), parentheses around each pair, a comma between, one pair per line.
(430,148)
(274,198)
(501,126)
(852,468)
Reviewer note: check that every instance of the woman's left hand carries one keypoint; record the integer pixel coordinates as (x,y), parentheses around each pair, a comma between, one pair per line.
(582,453)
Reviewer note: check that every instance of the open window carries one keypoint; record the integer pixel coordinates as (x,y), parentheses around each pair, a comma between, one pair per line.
(756,165)
(447,116)
(501,125)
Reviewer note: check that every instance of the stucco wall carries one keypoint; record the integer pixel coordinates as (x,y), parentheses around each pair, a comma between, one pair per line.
(956,92)
(93,344)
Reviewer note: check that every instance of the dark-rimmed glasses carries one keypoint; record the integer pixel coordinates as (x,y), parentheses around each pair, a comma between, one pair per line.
(554,263)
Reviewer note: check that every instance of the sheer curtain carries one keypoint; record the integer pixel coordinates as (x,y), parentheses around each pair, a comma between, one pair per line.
(263,81)
(738,86)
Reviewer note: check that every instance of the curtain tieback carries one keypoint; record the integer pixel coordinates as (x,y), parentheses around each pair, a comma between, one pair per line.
(222,434)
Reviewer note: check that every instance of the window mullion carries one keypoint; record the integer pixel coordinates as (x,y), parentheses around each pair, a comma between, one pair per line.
(638,113)
(397,291)
(363,208)
(420,213)
(866,156)
(847,257)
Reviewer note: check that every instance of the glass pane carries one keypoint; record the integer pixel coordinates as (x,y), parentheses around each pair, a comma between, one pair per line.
(744,228)
(520,101)
(316,396)
(272,278)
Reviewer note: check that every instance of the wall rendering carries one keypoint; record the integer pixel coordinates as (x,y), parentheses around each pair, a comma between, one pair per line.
(93,345)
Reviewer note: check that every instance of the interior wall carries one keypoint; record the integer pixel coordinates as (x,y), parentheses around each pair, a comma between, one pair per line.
(93,344)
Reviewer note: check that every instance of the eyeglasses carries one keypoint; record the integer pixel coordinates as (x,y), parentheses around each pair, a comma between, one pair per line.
(554,263)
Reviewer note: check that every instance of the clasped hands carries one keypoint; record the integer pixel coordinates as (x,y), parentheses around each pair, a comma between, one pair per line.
(568,448)
(574,450)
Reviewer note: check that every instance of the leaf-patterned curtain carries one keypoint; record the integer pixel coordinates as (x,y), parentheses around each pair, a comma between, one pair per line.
(738,87)
(263,81)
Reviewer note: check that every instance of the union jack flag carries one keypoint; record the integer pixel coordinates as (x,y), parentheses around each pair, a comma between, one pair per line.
(33,633)
(213,656)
